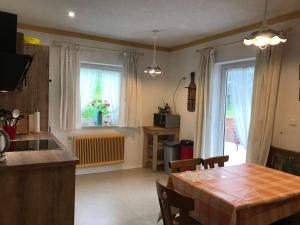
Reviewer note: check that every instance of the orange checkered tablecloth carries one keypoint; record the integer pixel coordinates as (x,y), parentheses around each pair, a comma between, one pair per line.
(246,194)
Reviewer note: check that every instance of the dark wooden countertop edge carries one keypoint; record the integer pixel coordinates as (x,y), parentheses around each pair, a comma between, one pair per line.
(40,165)
(39,159)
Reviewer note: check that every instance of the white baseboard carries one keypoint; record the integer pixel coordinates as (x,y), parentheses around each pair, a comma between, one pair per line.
(103,169)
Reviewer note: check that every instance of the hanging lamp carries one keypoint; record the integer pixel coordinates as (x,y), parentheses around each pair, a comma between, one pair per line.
(265,36)
(154,70)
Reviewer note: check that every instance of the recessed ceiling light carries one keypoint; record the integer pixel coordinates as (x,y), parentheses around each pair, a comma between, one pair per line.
(71,14)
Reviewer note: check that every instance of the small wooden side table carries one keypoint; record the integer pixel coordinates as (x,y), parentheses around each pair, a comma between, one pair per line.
(155,145)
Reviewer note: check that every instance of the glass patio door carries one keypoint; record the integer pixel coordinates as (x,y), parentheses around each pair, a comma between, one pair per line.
(238,86)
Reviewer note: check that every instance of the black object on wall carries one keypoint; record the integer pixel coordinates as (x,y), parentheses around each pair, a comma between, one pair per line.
(13,67)
(8,28)
(191,102)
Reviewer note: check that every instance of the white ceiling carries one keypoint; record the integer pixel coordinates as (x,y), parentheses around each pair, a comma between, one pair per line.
(181,21)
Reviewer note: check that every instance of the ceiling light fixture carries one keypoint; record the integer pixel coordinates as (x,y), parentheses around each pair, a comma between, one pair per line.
(265,36)
(71,14)
(154,70)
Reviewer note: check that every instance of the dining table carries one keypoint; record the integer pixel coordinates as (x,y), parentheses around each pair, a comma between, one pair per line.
(246,194)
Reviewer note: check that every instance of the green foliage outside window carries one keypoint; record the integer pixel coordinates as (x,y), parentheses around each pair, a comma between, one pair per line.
(229,109)
(97,104)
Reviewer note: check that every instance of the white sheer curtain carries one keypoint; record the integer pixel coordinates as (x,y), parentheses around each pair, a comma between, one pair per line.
(69,87)
(87,86)
(240,80)
(265,90)
(203,129)
(217,113)
(109,80)
(130,112)
(110,87)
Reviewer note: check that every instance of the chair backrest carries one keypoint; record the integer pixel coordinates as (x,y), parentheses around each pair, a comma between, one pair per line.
(184,165)
(210,162)
(168,197)
(285,160)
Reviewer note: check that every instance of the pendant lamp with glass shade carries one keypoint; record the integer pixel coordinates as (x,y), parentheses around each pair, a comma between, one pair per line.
(265,36)
(154,70)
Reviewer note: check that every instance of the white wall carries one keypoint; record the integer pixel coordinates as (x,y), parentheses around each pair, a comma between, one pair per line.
(151,95)
(287,135)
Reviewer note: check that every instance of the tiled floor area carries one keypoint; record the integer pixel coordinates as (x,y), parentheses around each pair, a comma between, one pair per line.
(125,197)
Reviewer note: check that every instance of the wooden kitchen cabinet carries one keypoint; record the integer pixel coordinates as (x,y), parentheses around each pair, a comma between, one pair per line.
(155,146)
(38,187)
(38,196)
(34,94)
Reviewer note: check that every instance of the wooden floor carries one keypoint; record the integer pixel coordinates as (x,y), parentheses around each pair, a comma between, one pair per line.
(125,197)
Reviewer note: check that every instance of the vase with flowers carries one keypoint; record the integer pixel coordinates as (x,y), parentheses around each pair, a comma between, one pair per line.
(103,110)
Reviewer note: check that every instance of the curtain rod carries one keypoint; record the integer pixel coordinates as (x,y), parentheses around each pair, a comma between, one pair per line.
(285,31)
(58,43)
(221,45)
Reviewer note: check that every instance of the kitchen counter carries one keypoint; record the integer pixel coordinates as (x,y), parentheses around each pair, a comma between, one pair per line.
(38,187)
(38,159)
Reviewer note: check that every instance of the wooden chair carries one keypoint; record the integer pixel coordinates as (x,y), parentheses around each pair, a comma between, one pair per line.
(184,165)
(168,198)
(285,160)
(210,162)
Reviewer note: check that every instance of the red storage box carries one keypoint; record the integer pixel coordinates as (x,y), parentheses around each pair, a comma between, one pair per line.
(186,149)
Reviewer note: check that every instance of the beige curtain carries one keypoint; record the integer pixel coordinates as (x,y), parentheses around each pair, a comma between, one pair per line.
(69,87)
(130,113)
(264,98)
(202,133)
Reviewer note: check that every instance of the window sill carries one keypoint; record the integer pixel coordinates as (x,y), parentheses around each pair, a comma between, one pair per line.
(99,126)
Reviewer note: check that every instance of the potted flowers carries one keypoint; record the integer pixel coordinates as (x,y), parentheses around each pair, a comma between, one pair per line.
(103,110)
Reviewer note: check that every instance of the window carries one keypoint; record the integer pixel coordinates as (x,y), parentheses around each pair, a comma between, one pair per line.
(99,94)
